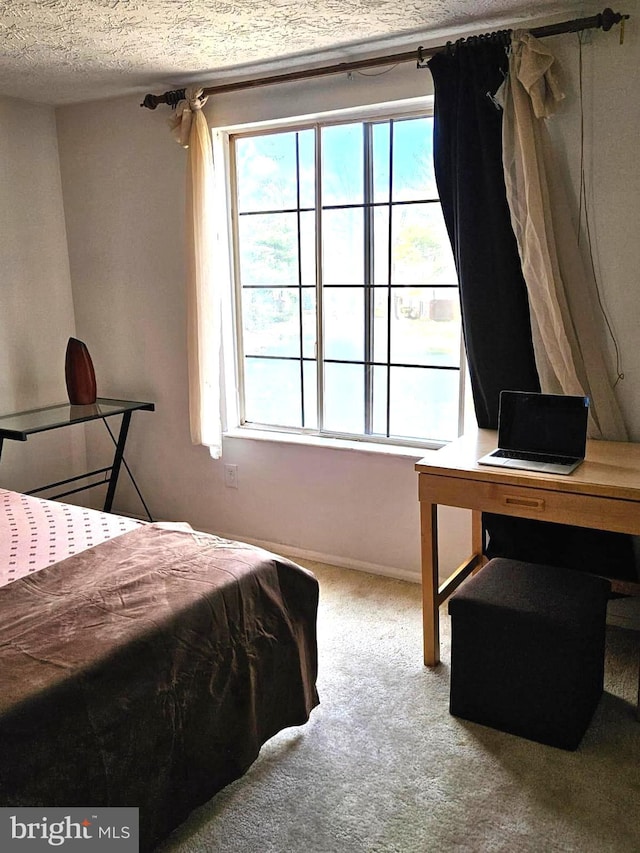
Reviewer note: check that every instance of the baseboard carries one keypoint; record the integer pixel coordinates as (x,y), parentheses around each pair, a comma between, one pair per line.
(314,556)
(321,557)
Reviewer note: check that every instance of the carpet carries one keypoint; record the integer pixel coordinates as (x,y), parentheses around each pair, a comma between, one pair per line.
(383,766)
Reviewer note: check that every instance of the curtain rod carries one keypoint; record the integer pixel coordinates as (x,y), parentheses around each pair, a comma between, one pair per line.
(605,20)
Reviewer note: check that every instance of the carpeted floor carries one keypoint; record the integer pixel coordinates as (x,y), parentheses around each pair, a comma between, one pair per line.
(382,766)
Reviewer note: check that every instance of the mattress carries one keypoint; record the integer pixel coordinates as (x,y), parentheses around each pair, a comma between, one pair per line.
(35,533)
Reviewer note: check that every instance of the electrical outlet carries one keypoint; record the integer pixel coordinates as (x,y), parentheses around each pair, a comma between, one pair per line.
(231,476)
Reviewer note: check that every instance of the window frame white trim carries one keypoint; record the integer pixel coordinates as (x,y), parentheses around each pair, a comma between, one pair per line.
(234,422)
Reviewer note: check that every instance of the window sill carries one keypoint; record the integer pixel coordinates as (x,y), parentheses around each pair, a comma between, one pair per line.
(329,443)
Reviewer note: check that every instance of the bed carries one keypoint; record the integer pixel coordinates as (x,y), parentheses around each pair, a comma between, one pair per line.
(142,664)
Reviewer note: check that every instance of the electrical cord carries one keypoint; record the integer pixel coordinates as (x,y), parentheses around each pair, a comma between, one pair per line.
(583,207)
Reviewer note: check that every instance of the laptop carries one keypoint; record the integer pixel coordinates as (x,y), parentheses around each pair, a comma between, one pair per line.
(540,432)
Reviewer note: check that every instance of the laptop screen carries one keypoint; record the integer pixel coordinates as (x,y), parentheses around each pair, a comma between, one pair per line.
(543,423)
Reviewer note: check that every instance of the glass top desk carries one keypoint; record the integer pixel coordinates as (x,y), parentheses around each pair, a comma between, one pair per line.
(19,426)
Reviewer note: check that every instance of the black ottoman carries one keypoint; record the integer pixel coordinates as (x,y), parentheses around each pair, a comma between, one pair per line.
(527,650)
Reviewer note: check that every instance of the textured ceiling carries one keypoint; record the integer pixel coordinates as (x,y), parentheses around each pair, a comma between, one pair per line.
(64,51)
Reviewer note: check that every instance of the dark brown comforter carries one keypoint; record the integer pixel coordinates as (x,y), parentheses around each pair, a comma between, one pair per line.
(148,672)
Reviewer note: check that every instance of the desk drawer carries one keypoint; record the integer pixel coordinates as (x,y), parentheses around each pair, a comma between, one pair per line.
(524,502)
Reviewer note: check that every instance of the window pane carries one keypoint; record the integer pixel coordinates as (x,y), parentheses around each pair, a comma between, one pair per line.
(309,322)
(344,398)
(342,164)
(272,392)
(380,323)
(271,321)
(266,172)
(310,395)
(308,248)
(425,326)
(268,249)
(424,403)
(343,247)
(344,323)
(381,175)
(381,245)
(307,154)
(421,249)
(379,425)
(413,176)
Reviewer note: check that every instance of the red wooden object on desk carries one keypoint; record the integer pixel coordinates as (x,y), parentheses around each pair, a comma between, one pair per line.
(79,374)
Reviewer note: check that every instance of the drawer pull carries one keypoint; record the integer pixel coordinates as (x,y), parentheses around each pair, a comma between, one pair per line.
(531,503)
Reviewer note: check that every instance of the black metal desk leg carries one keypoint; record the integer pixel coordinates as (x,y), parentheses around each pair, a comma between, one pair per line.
(117,461)
(1,443)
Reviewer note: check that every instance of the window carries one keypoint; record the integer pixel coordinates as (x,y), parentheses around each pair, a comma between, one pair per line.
(348,310)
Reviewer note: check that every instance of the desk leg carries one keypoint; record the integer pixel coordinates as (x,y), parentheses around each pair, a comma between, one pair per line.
(430,611)
(117,461)
(477,538)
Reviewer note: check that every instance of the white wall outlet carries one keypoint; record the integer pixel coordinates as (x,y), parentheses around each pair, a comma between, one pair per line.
(231,476)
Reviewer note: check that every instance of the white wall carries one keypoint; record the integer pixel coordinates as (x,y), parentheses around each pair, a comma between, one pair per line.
(36,316)
(123,191)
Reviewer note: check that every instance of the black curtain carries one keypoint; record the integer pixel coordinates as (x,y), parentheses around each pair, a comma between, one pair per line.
(467,150)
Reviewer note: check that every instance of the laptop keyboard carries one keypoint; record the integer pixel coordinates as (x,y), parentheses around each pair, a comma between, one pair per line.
(535,457)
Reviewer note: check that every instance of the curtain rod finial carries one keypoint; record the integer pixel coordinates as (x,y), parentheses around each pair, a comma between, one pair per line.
(172,98)
(609,18)
(151,101)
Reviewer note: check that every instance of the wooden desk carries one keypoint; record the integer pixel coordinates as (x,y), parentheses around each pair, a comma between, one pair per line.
(603,493)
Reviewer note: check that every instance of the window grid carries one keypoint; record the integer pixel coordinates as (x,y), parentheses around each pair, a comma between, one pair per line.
(368,362)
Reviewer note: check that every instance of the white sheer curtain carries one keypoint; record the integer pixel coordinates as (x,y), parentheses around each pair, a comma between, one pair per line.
(566,328)
(203,297)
